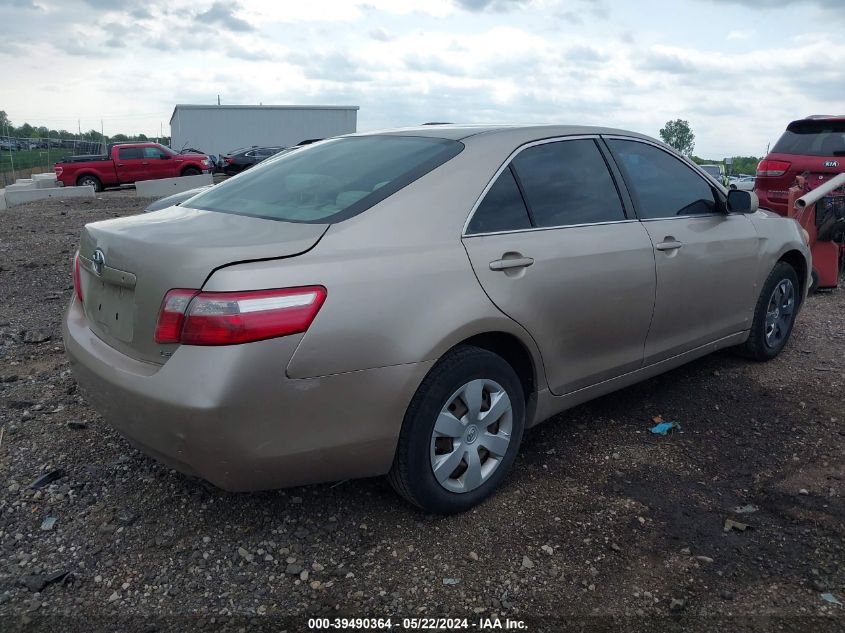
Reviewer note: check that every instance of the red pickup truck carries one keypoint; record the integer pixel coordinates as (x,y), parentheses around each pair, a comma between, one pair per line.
(126,163)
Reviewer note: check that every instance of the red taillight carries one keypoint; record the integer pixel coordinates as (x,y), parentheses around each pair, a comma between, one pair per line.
(58,171)
(772,167)
(77,283)
(229,318)
(227,160)
(171,318)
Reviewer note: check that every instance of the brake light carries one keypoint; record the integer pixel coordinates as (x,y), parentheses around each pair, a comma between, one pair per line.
(77,283)
(772,167)
(58,171)
(230,318)
(227,160)
(171,317)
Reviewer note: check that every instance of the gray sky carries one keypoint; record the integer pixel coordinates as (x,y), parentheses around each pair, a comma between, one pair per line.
(738,70)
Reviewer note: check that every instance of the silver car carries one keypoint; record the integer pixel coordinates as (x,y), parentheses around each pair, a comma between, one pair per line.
(409,302)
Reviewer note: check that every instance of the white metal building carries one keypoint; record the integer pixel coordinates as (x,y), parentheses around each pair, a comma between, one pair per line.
(217,129)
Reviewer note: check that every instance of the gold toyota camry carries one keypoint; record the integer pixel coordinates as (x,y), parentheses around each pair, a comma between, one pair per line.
(407,303)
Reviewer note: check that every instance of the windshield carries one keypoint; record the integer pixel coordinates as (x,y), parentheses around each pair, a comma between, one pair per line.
(713,170)
(813,138)
(328,181)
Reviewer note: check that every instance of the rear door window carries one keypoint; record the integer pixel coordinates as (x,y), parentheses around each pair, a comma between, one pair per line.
(502,208)
(329,181)
(813,138)
(567,183)
(130,153)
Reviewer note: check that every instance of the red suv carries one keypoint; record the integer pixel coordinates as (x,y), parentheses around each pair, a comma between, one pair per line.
(815,146)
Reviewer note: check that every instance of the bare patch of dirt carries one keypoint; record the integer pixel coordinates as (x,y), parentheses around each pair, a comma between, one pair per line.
(621,529)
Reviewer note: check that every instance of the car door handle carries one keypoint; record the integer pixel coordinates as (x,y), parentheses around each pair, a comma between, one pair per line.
(670,244)
(506,264)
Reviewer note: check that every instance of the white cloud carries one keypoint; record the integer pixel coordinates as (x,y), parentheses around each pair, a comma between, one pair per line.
(741,35)
(405,62)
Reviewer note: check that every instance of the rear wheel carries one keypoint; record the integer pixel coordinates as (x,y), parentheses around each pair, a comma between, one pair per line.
(191,171)
(461,432)
(774,314)
(82,181)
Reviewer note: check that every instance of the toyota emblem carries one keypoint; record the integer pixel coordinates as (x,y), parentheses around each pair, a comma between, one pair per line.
(98,261)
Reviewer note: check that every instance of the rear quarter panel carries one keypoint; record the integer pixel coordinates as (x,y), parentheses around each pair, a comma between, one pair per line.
(400,285)
(104,170)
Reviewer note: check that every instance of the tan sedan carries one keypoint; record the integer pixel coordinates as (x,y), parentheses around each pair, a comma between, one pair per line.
(409,302)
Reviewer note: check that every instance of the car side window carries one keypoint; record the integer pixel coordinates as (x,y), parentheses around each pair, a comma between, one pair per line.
(566,183)
(129,153)
(152,152)
(663,186)
(502,208)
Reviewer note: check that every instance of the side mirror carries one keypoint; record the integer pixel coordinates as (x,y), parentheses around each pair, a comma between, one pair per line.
(740,201)
(164,156)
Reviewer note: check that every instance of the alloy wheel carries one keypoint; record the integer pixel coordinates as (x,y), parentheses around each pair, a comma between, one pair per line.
(779,313)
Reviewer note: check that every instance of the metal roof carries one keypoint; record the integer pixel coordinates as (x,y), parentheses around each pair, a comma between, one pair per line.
(191,106)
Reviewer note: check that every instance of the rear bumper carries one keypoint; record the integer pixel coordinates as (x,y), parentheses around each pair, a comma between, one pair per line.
(778,205)
(230,414)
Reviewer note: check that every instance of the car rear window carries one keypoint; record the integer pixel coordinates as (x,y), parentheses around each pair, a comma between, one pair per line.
(329,181)
(813,138)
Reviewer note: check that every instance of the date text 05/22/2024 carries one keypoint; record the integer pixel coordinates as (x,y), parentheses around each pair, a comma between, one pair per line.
(417,624)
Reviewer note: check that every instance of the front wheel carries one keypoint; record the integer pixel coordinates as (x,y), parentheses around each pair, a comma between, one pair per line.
(461,432)
(90,180)
(191,171)
(774,314)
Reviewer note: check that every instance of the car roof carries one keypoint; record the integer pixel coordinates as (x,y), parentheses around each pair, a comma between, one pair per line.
(459,132)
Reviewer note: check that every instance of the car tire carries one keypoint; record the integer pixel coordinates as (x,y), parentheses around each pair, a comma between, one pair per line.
(482,450)
(191,171)
(814,283)
(774,314)
(90,180)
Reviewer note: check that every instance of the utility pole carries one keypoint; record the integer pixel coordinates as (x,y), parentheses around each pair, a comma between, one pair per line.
(218,99)
(11,158)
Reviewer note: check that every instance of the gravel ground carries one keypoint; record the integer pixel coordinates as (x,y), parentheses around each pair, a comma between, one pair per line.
(602,525)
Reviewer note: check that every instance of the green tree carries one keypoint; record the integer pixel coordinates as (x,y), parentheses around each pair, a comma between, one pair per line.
(4,119)
(24,131)
(678,134)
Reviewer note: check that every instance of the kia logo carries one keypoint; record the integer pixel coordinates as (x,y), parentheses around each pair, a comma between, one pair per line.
(831,163)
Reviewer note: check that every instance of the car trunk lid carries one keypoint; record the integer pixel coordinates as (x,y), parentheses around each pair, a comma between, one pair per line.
(127,265)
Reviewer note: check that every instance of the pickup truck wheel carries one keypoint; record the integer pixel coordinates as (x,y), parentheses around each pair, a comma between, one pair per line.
(191,171)
(90,180)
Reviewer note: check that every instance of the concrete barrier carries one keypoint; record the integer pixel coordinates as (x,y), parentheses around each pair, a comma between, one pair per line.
(167,186)
(2,199)
(22,196)
(22,185)
(44,181)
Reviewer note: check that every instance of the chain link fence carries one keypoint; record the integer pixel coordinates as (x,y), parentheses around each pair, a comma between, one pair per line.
(22,157)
